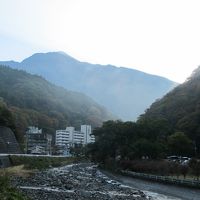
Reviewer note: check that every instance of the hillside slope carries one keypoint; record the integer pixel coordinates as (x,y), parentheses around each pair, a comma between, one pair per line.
(35,101)
(181,108)
(125,92)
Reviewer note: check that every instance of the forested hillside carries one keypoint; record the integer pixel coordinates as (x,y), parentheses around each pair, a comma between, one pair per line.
(181,108)
(34,101)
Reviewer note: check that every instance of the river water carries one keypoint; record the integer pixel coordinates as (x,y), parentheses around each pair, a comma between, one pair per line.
(157,196)
(159,191)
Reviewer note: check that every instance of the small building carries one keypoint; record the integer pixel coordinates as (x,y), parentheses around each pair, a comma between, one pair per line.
(38,150)
(37,142)
(87,131)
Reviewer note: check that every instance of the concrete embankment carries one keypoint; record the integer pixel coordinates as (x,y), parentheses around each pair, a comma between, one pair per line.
(4,161)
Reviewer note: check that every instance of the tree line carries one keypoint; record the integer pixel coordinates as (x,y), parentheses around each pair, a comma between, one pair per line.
(144,139)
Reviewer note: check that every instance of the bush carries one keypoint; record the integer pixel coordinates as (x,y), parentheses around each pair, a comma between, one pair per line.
(195,166)
(7,192)
(158,167)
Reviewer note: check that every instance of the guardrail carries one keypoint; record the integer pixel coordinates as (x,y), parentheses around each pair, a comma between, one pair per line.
(32,155)
(163,179)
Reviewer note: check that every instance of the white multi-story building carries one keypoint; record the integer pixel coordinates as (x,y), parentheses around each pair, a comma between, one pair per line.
(70,136)
(87,131)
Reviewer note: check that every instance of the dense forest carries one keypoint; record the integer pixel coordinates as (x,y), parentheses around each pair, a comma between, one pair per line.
(31,100)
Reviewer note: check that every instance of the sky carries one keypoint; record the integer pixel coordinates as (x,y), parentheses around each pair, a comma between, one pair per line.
(160,37)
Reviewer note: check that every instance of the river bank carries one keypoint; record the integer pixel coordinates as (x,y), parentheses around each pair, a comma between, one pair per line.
(75,182)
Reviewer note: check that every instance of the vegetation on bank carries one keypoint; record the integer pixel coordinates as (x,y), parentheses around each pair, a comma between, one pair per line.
(26,166)
(191,170)
(41,162)
(8,192)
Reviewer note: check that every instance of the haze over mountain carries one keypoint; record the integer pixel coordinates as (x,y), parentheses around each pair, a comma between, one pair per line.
(123,91)
(33,101)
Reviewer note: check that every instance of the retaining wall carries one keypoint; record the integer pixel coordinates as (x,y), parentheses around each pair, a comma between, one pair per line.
(4,161)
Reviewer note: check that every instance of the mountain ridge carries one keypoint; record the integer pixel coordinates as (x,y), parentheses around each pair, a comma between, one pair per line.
(119,89)
(62,53)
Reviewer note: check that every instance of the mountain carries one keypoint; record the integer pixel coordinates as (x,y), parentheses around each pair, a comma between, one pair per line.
(125,92)
(181,108)
(34,101)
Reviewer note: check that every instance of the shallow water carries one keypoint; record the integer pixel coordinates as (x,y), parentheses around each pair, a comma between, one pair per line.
(156,196)
(159,191)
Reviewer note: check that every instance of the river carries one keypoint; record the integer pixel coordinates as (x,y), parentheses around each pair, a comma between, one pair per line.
(158,191)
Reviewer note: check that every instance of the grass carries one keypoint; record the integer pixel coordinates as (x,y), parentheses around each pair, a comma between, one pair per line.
(16,171)
(7,192)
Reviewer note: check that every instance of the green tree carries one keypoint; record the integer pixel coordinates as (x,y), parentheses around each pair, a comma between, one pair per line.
(125,141)
(105,145)
(114,139)
(179,144)
(146,148)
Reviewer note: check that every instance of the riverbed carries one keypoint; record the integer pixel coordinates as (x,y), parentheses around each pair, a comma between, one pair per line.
(84,181)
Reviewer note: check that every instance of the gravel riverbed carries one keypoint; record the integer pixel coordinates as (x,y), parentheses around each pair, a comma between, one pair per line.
(75,182)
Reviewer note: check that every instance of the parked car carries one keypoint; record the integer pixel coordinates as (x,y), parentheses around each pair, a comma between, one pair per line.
(173,158)
(185,160)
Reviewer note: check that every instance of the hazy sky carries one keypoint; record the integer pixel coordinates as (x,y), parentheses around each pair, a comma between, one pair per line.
(156,36)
